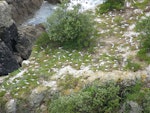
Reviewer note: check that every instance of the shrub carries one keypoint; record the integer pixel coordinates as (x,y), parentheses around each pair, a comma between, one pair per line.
(144,28)
(94,98)
(110,5)
(107,97)
(70,27)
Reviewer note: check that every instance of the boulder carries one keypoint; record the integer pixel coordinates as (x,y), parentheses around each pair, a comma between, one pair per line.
(132,107)
(37,96)
(5,17)
(11,106)
(23,9)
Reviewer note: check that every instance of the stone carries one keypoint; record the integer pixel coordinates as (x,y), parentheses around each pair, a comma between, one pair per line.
(5,17)
(147,9)
(11,106)
(132,107)
(23,9)
(37,96)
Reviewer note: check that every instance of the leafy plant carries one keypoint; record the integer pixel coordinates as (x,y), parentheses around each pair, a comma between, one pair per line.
(143,27)
(95,98)
(70,28)
(110,5)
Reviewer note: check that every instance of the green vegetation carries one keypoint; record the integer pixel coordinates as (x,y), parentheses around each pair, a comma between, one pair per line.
(69,28)
(140,4)
(69,82)
(137,93)
(102,98)
(54,52)
(92,99)
(110,5)
(132,66)
(143,27)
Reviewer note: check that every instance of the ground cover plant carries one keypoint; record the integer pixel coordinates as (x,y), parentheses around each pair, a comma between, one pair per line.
(143,26)
(106,97)
(110,5)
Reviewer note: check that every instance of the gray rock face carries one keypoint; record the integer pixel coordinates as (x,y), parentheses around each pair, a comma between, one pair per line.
(11,106)
(5,17)
(131,107)
(37,96)
(27,37)
(22,9)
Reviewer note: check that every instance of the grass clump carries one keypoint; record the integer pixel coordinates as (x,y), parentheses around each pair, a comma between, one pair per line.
(69,82)
(110,5)
(132,66)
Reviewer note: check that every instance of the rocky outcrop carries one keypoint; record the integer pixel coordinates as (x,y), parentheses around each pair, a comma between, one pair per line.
(23,9)
(15,45)
(8,38)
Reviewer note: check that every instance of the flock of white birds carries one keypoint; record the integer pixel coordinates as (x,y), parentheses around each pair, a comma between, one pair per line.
(86,4)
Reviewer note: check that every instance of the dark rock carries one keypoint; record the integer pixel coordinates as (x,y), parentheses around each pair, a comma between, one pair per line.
(8,62)
(54,1)
(16,46)
(10,36)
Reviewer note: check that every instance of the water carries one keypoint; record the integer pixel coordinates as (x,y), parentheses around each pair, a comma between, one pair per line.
(42,14)
(47,9)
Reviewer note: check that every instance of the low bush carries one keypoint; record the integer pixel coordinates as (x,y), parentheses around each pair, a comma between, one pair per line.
(93,99)
(107,97)
(110,5)
(70,28)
